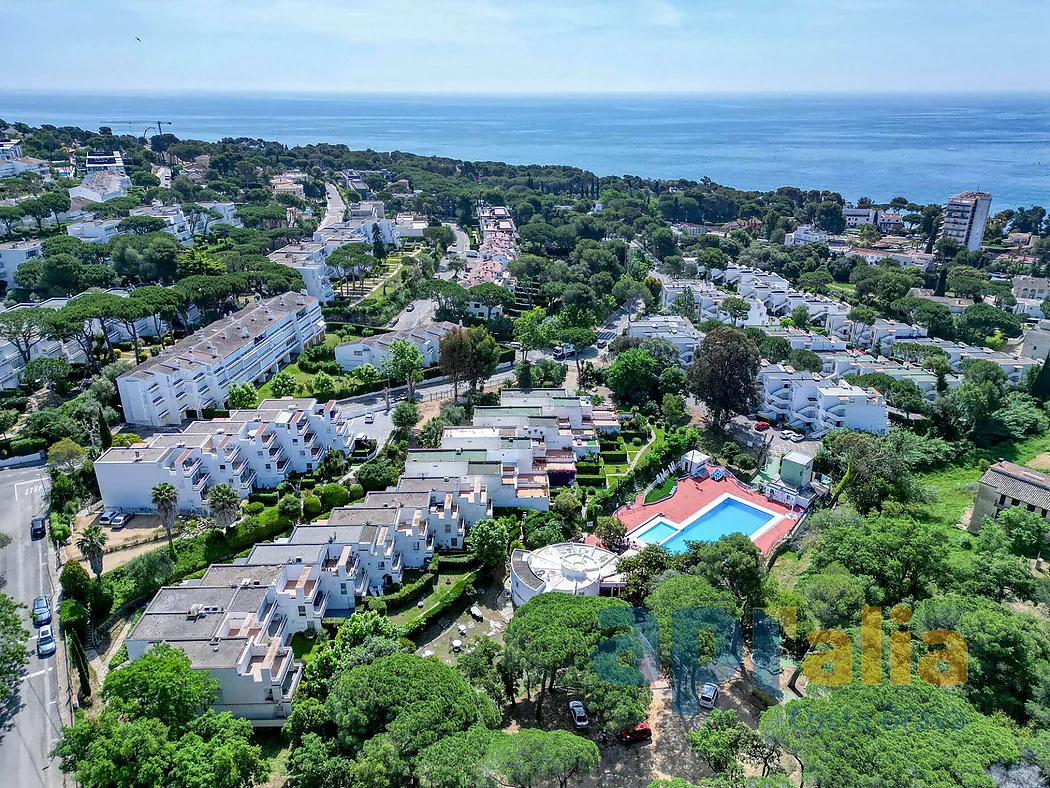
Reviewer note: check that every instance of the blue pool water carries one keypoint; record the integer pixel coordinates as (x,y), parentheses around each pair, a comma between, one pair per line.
(656,533)
(728,517)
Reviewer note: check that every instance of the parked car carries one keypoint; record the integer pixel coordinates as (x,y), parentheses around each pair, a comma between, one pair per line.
(38,528)
(640,732)
(579,715)
(392,323)
(410,307)
(45,641)
(797,437)
(708,696)
(786,434)
(41,610)
(370,418)
(120,520)
(107,516)
(760,426)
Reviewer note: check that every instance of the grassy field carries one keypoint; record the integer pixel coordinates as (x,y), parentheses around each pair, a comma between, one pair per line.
(661,490)
(293,369)
(445,582)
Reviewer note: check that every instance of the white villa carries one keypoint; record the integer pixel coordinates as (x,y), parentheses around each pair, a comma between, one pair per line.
(375,349)
(807,401)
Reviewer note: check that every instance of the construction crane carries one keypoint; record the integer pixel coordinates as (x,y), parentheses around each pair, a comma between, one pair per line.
(156,124)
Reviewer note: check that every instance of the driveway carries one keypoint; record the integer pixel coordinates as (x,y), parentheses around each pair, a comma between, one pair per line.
(422,314)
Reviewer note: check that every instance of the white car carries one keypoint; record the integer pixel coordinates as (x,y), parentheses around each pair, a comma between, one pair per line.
(45,641)
(708,696)
(370,418)
(797,437)
(107,516)
(787,434)
(580,720)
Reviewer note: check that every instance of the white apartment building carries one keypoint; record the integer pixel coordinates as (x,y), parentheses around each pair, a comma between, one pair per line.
(113,162)
(859,217)
(9,168)
(14,253)
(882,334)
(174,221)
(101,186)
(248,346)
(807,340)
(1036,342)
(839,364)
(908,259)
(250,449)
(676,330)
(965,217)
(1035,287)
(959,353)
(807,401)
(805,235)
(410,225)
(227,215)
(889,223)
(10,149)
(95,231)
(507,485)
(375,349)
(309,260)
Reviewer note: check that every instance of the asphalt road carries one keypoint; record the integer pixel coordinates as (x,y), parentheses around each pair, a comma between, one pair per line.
(334,210)
(30,725)
(422,314)
(462,245)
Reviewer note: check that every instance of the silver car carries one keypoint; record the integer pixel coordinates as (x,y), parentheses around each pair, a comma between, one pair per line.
(708,696)
(580,720)
(45,641)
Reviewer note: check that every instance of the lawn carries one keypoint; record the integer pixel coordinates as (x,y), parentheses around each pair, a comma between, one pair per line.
(661,490)
(293,369)
(303,646)
(445,583)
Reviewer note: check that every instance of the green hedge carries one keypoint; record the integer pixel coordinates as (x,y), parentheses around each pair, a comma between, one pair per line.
(265,498)
(614,457)
(406,594)
(630,435)
(451,596)
(590,481)
(588,468)
(460,559)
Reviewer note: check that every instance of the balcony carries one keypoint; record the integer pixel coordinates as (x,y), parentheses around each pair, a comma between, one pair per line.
(248,481)
(310,438)
(282,465)
(192,468)
(201,482)
(320,604)
(268,439)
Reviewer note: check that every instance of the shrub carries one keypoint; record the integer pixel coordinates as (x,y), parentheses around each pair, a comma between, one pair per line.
(333,495)
(745,461)
(378,604)
(311,507)
(20,447)
(73,617)
(101,601)
(75,581)
(590,481)
(254,508)
(614,457)
(290,508)
(265,498)
(357,492)
(60,528)
(636,441)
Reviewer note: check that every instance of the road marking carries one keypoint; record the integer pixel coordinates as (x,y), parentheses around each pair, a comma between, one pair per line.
(38,673)
(34,487)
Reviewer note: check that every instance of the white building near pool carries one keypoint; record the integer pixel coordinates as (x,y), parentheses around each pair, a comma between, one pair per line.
(567,567)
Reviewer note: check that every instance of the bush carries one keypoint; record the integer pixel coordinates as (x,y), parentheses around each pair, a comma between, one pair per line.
(20,447)
(357,492)
(73,617)
(60,528)
(290,508)
(614,457)
(311,507)
(101,601)
(75,581)
(214,413)
(744,461)
(254,508)
(378,604)
(636,441)
(265,498)
(590,481)
(333,495)
(407,593)
(462,559)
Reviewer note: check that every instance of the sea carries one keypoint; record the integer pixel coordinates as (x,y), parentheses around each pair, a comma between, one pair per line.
(922,147)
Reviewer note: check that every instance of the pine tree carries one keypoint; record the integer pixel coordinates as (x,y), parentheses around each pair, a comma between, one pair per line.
(105,436)
(942,282)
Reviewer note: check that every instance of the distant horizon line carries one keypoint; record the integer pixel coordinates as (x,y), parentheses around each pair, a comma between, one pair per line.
(512,95)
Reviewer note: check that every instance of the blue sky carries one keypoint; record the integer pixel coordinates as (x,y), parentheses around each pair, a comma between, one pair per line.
(525,46)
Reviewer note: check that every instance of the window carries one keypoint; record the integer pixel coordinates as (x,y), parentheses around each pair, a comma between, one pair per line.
(342,589)
(222,467)
(382,564)
(448,528)
(269,467)
(302,610)
(455,542)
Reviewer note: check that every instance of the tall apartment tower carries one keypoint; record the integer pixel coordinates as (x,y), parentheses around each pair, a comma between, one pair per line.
(965,216)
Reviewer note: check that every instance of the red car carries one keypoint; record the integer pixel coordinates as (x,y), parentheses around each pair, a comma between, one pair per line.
(640,732)
(761,425)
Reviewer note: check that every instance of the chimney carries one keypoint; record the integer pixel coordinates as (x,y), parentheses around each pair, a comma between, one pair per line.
(244,332)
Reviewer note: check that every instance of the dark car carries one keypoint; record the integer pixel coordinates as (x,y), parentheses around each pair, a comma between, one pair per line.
(38,528)
(41,610)
(640,732)
(579,715)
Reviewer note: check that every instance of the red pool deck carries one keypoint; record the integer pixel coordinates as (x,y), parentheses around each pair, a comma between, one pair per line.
(692,495)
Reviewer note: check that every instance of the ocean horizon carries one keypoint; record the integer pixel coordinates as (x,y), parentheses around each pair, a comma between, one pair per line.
(921,146)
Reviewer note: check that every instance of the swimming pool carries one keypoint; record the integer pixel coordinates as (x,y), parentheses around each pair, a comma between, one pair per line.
(728,515)
(656,533)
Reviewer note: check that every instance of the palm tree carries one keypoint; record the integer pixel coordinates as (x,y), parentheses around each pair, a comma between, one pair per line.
(166,498)
(224,503)
(91,543)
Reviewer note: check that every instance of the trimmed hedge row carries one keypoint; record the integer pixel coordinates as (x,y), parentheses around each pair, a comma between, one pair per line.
(451,596)
(590,481)
(405,595)
(588,468)
(461,559)
(630,435)
(214,413)
(614,457)
(265,498)
(20,447)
